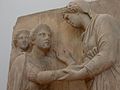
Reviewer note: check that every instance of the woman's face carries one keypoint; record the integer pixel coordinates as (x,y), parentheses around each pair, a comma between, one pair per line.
(74,19)
(23,41)
(74,15)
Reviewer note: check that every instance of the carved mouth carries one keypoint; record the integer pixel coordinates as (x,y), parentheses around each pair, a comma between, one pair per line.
(47,42)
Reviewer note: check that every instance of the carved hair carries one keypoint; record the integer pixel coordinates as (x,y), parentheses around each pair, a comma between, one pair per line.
(79,6)
(38,29)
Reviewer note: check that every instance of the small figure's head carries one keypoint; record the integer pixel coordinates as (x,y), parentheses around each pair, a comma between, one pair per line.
(42,37)
(75,11)
(22,40)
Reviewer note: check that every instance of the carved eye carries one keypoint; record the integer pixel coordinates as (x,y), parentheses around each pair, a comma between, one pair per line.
(40,34)
(49,35)
(43,34)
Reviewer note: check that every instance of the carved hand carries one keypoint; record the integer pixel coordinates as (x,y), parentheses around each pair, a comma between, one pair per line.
(32,75)
(72,74)
(62,72)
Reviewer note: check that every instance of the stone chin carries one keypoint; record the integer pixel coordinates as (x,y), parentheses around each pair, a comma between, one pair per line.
(24,47)
(45,47)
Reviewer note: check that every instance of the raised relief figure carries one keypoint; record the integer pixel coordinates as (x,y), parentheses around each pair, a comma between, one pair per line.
(21,44)
(41,68)
(101,41)
(36,70)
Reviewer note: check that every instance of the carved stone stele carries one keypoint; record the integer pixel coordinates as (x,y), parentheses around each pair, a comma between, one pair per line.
(63,35)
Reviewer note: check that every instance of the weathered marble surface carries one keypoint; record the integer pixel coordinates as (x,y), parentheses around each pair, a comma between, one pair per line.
(64,34)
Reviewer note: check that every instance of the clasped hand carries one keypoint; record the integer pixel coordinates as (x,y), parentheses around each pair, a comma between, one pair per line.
(72,72)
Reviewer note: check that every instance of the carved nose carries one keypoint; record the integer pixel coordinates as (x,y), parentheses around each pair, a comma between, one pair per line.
(47,37)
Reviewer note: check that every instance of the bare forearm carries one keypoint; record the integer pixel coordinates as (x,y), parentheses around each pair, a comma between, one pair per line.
(83,74)
(72,74)
(45,77)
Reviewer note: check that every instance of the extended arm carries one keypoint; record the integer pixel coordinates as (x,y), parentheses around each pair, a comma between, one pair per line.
(107,51)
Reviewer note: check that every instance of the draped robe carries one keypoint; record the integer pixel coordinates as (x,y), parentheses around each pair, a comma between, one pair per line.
(104,68)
